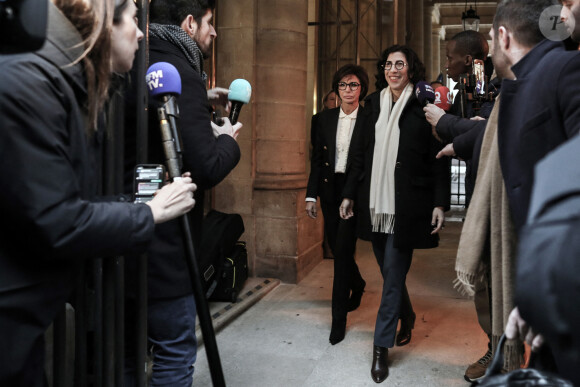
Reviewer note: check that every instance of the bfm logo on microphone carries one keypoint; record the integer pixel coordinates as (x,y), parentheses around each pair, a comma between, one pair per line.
(152,79)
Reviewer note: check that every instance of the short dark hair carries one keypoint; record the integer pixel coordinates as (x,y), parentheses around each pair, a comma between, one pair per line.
(471,43)
(352,69)
(175,11)
(416,67)
(522,18)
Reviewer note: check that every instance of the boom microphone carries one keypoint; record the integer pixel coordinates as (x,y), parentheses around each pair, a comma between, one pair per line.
(443,98)
(164,84)
(240,93)
(424,93)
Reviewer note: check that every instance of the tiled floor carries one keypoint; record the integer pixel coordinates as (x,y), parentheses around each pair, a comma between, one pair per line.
(282,339)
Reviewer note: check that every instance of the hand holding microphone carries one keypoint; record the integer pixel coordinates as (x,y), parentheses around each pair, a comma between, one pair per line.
(426,96)
(433,114)
(175,199)
(226,127)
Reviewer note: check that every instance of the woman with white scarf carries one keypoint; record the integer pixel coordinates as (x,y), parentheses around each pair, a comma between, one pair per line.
(404,192)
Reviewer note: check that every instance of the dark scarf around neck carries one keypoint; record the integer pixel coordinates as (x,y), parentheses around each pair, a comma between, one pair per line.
(177,36)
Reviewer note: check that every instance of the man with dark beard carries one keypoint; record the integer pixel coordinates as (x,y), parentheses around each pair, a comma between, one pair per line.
(181,33)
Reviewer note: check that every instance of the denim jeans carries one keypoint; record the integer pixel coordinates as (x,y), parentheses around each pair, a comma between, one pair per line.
(171,335)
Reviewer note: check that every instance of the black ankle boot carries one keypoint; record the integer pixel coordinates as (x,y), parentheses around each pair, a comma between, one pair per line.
(404,335)
(355,297)
(380,368)
(337,331)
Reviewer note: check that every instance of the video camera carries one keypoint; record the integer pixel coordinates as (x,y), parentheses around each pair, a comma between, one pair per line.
(474,87)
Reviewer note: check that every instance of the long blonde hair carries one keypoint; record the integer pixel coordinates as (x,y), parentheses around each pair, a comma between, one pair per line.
(94,20)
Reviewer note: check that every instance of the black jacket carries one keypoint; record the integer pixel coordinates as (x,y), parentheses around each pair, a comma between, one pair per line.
(422,182)
(538,111)
(51,218)
(321,179)
(209,159)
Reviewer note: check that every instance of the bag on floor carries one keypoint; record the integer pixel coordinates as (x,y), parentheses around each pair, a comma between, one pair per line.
(221,232)
(524,377)
(233,275)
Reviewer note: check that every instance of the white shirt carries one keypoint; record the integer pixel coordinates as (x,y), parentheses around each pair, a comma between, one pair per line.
(343,135)
(344,131)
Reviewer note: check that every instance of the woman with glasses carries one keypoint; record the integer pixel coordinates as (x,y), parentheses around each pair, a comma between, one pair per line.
(405,191)
(331,160)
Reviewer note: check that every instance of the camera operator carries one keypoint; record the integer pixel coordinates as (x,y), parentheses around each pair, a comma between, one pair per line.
(462,50)
(181,34)
(50,143)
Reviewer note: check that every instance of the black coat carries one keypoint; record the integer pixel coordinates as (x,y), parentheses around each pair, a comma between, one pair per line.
(538,111)
(209,159)
(51,219)
(422,182)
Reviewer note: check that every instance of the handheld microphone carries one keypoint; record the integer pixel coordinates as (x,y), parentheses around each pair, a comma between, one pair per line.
(164,84)
(443,98)
(424,93)
(240,93)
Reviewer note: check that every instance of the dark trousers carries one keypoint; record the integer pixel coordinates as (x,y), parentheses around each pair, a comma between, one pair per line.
(395,302)
(342,240)
(347,276)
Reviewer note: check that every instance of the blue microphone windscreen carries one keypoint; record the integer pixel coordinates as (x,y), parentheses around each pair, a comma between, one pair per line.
(163,78)
(240,90)
(424,92)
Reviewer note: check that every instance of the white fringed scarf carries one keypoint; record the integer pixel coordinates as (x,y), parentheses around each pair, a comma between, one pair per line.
(382,195)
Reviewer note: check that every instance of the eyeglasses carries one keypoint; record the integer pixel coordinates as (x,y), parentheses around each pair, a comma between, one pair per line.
(353,86)
(399,65)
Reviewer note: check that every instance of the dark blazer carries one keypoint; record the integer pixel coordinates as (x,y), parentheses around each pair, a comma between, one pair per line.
(538,111)
(422,182)
(209,159)
(323,134)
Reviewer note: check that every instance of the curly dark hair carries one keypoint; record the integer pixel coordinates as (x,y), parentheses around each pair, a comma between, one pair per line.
(352,69)
(416,67)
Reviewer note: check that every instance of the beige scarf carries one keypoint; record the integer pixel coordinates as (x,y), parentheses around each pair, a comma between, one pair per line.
(382,195)
(489,241)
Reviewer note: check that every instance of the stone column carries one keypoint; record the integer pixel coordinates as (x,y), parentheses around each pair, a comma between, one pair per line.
(427,42)
(400,24)
(438,61)
(416,27)
(265,42)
